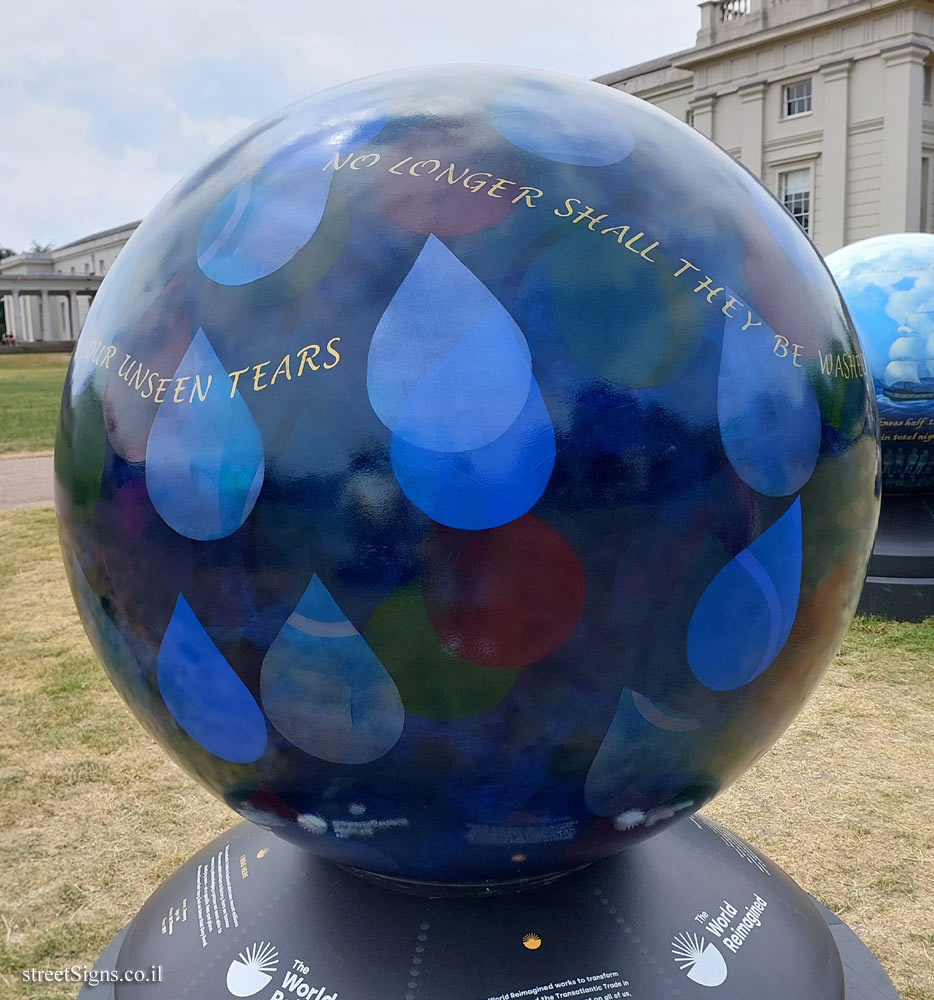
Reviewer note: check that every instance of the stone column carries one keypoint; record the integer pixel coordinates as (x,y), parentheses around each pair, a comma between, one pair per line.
(45,317)
(13,316)
(73,314)
(900,207)
(703,114)
(753,98)
(835,153)
(25,315)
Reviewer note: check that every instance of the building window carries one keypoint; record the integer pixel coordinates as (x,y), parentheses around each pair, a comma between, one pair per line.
(794,192)
(928,81)
(796,98)
(72,270)
(87,268)
(101,271)
(64,321)
(689,117)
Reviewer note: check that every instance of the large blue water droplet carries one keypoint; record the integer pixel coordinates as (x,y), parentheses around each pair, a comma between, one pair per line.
(324,689)
(262,223)
(784,228)
(486,487)
(449,370)
(203,693)
(616,776)
(103,324)
(770,421)
(567,123)
(663,718)
(744,616)
(111,647)
(204,457)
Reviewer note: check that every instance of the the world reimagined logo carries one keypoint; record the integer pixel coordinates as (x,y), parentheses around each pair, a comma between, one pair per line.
(703,962)
(253,969)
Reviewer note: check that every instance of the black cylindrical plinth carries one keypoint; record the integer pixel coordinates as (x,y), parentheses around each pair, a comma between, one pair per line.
(693,912)
(900,578)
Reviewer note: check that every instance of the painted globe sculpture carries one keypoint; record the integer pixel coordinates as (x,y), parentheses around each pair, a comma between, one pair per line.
(448,477)
(887,283)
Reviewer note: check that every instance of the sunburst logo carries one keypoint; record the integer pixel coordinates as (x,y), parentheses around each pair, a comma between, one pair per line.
(532,941)
(252,970)
(703,962)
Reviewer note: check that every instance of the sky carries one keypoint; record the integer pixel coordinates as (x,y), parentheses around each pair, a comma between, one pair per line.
(104,105)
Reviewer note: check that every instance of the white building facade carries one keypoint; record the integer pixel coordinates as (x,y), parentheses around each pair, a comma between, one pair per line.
(829,102)
(46,296)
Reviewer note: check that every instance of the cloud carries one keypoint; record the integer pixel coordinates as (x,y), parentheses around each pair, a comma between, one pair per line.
(106,105)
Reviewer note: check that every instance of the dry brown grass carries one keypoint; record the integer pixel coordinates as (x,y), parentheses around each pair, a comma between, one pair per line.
(844,802)
(93,815)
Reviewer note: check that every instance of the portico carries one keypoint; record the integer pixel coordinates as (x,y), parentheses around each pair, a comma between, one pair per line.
(72,294)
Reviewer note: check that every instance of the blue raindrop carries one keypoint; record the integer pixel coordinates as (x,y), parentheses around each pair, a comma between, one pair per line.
(616,773)
(663,718)
(106,317)
(324,689)
(262,223)
(605,780)
(487,487)
(745,615)
(564,123)
(784,229)
(770,421)
(108,641)
(204,457)
(449,370)
(203,693)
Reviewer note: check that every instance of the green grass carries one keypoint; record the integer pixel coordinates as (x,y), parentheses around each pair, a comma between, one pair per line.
(93,815)
(30,393)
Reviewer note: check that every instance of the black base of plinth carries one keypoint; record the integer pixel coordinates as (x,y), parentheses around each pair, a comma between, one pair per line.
(693,912)
(900,578)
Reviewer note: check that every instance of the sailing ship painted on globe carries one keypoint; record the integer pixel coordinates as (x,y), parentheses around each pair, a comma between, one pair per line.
(909,375)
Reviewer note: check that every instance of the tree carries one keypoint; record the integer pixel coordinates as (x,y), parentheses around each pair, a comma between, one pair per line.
(6,252)
(37,247)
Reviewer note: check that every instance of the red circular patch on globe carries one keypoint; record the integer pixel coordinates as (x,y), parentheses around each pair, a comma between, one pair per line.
(504,597)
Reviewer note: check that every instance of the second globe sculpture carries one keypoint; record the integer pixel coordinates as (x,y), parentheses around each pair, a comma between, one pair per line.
(449,479)
(886,283)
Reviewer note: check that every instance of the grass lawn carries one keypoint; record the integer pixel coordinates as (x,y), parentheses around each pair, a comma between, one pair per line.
(94,815)
(30,393)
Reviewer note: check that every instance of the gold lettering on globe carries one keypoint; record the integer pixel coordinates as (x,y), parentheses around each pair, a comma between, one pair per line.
(486,184)
(150,384)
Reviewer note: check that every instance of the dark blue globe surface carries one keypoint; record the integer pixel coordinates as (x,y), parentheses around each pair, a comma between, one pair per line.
(448,478)
(887,283)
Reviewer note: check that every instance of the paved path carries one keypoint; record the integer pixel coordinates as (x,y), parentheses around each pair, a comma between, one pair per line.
(25,481)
